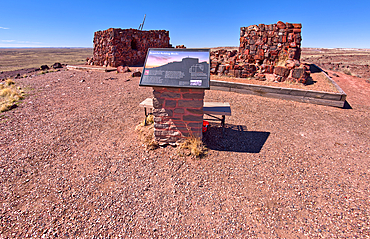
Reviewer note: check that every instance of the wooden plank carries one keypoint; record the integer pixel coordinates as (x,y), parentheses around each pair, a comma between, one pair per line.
(331,80)
(344,95)
(304,99)
(220,88)
(148,103)
(278,90)
(308,96)
(217,108)
(94,68)
(334,103)
(214,108)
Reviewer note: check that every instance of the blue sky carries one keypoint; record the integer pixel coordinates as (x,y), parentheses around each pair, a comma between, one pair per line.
(328,24)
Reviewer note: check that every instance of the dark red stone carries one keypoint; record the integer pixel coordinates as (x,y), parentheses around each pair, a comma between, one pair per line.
(281,71)
(280,25)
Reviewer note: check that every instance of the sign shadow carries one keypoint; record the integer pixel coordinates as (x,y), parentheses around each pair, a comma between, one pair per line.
(234,138)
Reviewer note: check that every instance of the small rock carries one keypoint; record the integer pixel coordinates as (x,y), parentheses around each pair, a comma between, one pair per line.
(44,67)
(335,75)
(137,73)
(123,69)
(57,65)
(82,80)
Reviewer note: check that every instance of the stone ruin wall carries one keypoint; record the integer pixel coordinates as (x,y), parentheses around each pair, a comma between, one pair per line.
(266,52)
(126,47)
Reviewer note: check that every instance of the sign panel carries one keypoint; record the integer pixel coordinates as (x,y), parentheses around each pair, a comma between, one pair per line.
(169,67)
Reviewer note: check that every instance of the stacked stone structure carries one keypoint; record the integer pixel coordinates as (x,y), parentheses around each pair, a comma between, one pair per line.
(264,50)
(270,44)
(178,113)
(126,47)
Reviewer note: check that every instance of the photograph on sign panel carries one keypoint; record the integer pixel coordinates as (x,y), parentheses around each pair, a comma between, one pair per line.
(177,69)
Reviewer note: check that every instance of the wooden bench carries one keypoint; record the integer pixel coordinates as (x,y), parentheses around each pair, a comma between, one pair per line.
(209,108)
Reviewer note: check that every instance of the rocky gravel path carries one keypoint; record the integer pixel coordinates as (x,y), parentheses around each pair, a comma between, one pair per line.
(71,165)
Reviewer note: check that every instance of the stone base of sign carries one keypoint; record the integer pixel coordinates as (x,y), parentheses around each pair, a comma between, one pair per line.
(178,114)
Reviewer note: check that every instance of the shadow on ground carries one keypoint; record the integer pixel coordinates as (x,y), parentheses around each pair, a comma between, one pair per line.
(314,68)
(235,138)
(347,106)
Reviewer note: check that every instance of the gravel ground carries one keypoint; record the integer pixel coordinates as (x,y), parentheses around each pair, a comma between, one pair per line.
(71,165)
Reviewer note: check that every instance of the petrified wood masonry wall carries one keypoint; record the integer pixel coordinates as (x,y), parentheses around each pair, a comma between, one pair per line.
(126,47)
(266,52)
(271,44)
(178,113)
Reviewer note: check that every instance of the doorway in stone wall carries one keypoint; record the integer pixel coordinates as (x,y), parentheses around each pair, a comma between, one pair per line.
(133,45)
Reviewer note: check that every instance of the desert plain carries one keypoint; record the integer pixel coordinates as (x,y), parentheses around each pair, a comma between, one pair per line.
(72,164)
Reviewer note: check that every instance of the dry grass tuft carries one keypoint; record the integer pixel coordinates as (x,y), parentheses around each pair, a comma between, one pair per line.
(192,146)
(146,133)
(149,120)
(9,95)
(9,82)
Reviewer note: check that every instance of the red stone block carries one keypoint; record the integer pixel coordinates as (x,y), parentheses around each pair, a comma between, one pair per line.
(290,37)
(281,25)
(258,57)
(289,25)
(281,71)
(297,25)
(269,69)
(274,52)
(260,76)
(299,73)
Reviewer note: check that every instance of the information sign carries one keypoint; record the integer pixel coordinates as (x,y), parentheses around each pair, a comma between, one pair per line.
(170,67)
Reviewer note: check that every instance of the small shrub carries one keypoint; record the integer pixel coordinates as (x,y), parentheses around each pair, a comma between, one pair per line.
(9,82)
(5,92)
(192,146)
(146,133)
(9,95)
(149,120)
(347,72)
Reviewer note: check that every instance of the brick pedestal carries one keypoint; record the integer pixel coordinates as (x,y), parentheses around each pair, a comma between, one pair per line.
(178,113)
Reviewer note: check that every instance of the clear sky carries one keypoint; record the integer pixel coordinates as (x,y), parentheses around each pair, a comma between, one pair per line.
(328,24)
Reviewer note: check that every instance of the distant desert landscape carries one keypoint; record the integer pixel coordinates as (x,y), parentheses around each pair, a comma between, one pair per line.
(353,62)
(72,164)
(12,59)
